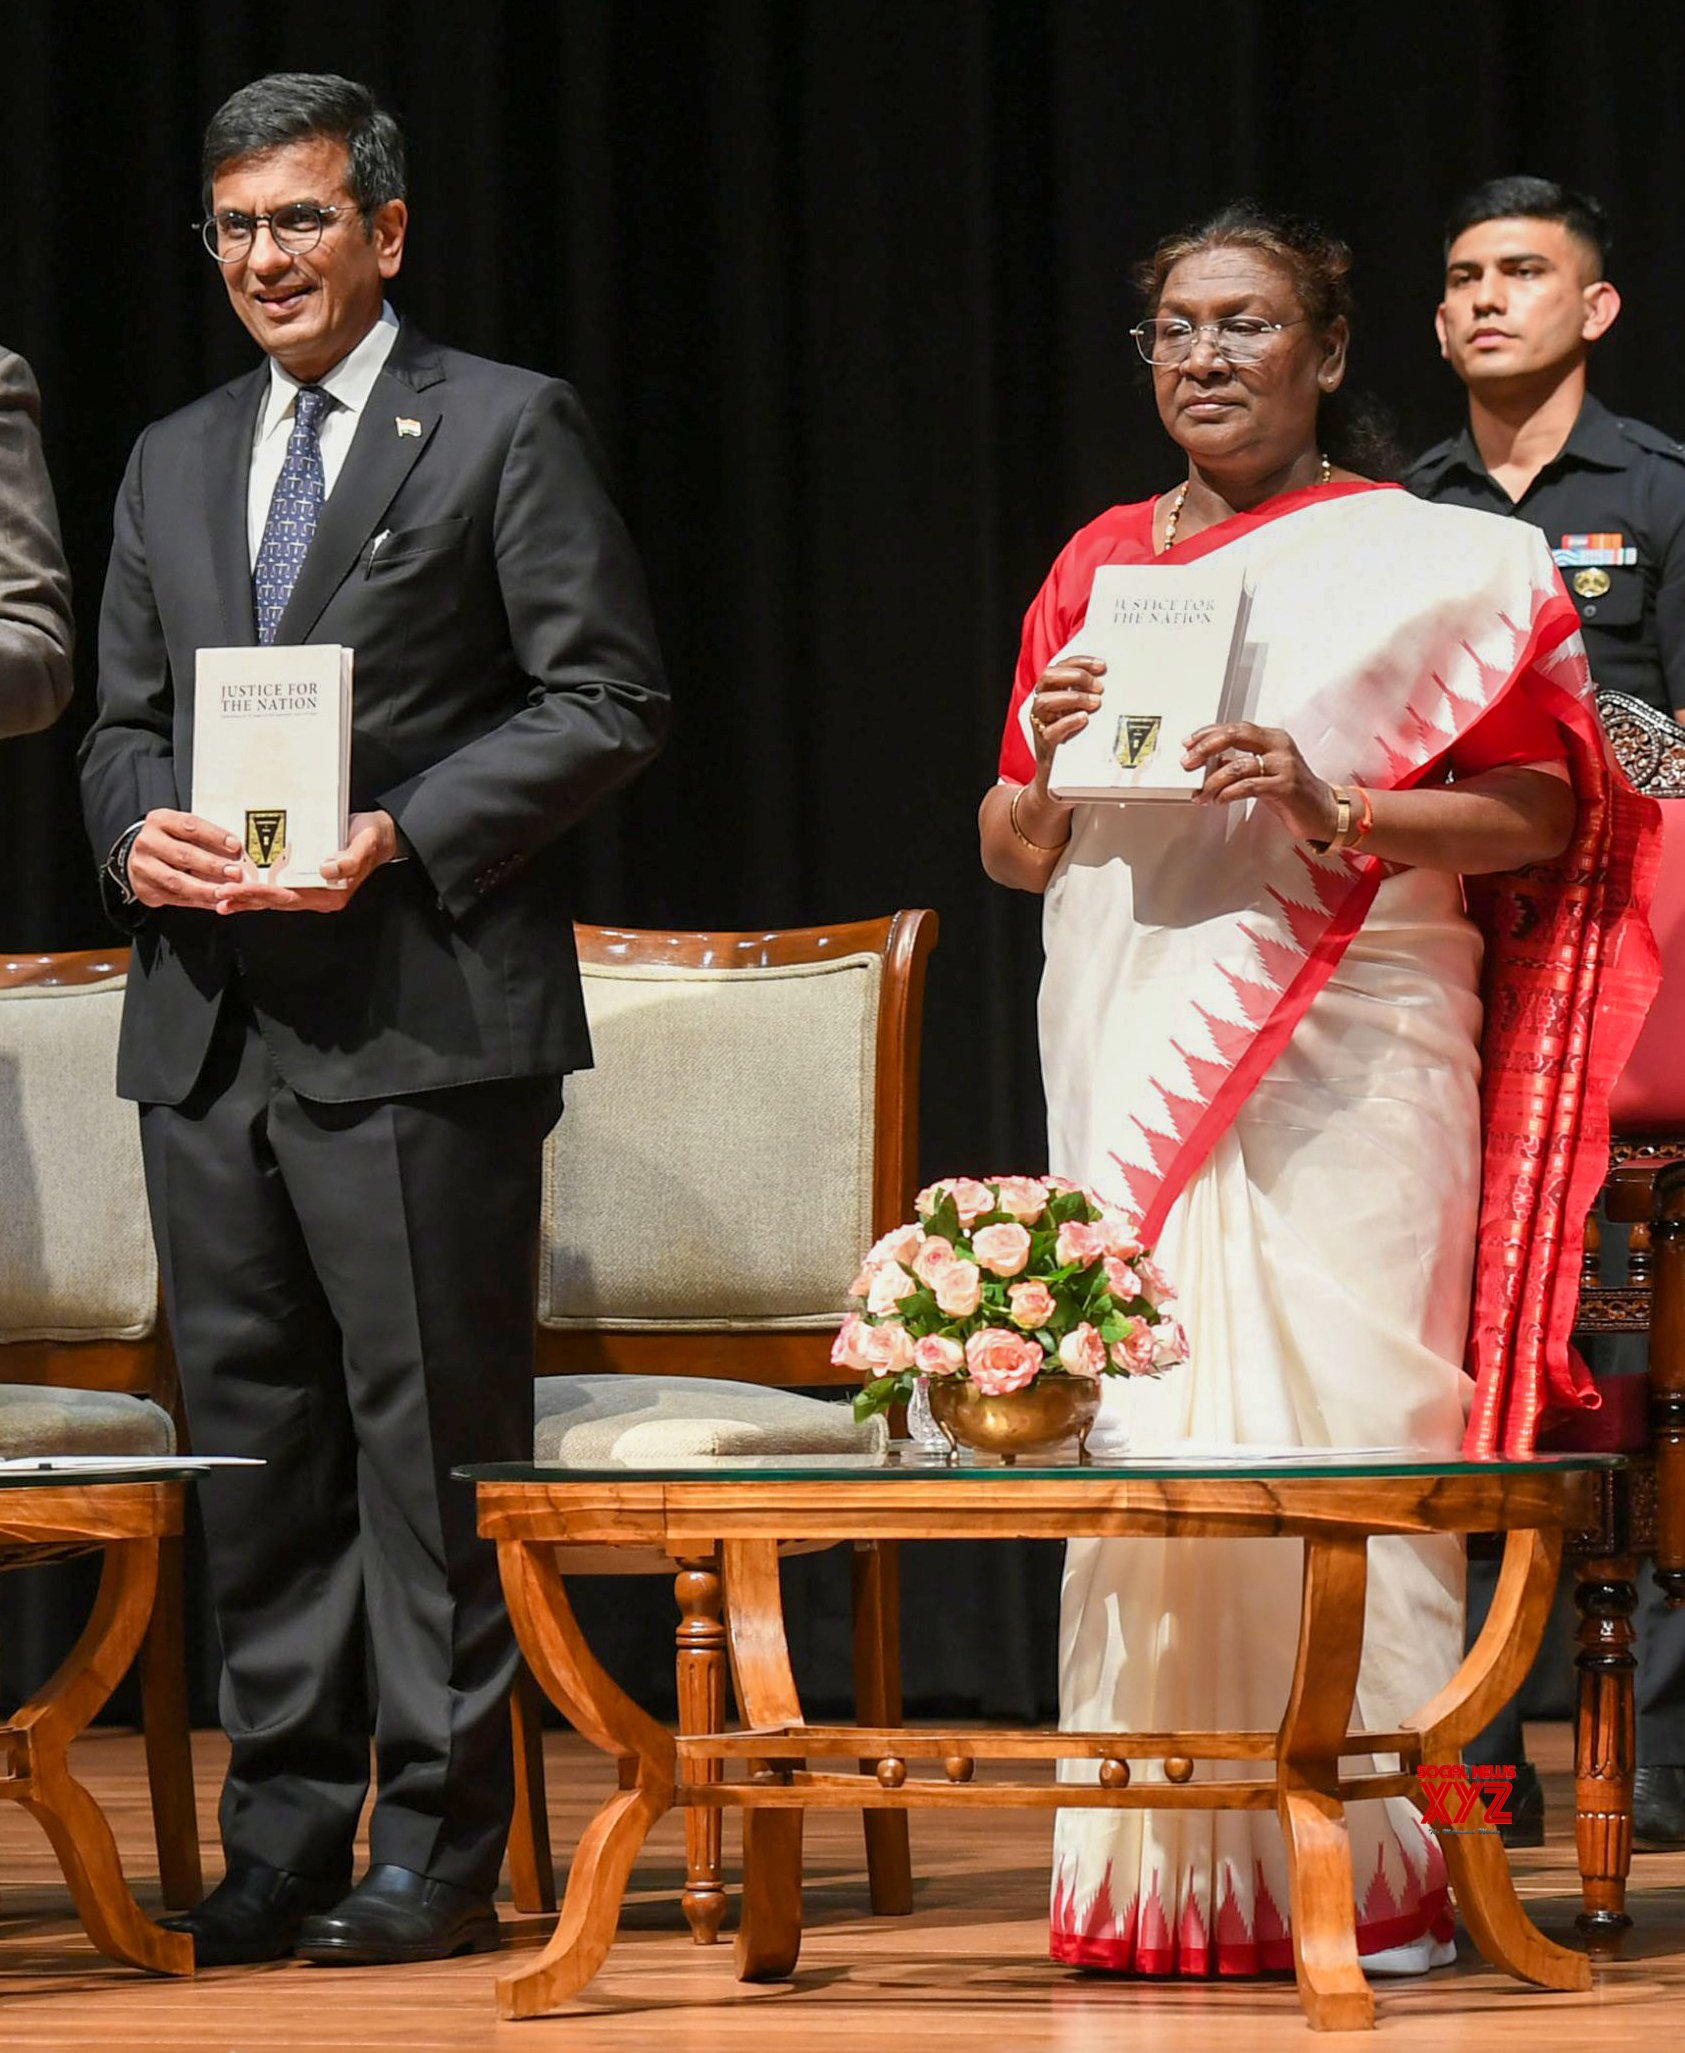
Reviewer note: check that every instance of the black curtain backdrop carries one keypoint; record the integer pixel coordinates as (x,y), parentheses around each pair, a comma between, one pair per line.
(845,290)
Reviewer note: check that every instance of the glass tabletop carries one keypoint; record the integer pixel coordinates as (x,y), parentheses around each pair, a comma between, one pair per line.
(904,1462)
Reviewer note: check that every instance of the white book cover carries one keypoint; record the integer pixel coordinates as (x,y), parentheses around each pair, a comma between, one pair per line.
(1170,637)
(272,754)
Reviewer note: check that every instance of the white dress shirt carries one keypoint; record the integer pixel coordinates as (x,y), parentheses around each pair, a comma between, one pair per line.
(348,384)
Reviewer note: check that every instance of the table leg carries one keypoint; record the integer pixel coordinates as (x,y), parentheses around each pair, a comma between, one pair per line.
(1604,1743)
(1332,1986)
(700,1660)
(38,1737)
(769,1929)
(599,1709)
(1492,1671)
(877,1697)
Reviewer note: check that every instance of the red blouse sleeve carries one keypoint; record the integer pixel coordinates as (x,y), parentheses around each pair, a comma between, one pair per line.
(1122,535)
(1041,637)
(1516,730)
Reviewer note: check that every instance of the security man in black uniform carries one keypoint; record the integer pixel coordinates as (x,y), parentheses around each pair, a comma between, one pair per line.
(1525,299)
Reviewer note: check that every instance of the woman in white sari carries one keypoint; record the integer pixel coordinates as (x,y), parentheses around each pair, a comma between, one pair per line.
(1263,1025)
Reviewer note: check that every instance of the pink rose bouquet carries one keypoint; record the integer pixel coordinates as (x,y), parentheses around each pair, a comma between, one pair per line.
(1001,1280)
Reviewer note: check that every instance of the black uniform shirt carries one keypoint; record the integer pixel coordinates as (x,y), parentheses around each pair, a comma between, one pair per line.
(1620,485)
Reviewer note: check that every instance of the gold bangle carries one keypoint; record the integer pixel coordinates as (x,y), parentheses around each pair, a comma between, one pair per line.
(1040,847)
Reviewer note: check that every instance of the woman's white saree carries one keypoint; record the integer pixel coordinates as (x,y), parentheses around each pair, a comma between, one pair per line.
(1274,1058)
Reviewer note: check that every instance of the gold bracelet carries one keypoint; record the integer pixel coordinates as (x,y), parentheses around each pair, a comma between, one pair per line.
(1342,823)
(1040,847)
(1362,826)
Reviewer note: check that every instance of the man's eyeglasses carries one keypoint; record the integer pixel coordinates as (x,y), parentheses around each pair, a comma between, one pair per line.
(230,234)
(1239,339)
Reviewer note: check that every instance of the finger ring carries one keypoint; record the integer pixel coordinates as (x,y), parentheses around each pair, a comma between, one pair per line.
(1258,759)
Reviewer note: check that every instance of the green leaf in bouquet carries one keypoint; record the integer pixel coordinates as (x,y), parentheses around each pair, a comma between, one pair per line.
(920,1313)
(877,1396)
(1067,1204)
(944,1218)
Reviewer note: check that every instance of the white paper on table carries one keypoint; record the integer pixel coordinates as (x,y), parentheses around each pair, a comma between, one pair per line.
(132,1464)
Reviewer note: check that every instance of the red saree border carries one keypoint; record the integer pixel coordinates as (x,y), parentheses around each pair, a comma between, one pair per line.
(1571,967)
(1267,1043)
(1431,1919)
(1238,525)
(1547,630)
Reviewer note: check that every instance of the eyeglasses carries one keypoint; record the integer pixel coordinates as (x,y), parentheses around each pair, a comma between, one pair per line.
(1238,339)
(229,235)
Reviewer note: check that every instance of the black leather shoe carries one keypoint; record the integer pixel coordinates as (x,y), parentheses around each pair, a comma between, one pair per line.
(1526,1825)
(1658,1808)
(253,1913)
(396,1915)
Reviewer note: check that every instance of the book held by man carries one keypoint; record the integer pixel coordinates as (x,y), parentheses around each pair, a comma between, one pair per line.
(272,754)
(1170,637)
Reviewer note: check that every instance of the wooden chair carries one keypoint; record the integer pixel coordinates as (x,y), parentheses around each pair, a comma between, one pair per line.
(85,1362)
(750,1127)
(1642,1509)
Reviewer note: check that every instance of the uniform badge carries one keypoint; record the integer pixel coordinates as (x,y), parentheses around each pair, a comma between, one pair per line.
(265,832)
(1137,739)
(1594,550)
(1591,584)
(408,427)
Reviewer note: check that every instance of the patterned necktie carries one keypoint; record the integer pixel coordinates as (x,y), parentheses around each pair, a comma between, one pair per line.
(293,513)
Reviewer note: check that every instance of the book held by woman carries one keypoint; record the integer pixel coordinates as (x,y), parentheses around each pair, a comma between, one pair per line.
(1170,638)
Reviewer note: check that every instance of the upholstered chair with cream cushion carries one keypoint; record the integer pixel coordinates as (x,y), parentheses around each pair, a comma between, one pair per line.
(749,1128)
(85,1366)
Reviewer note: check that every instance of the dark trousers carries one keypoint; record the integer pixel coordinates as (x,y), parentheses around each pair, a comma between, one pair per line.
(350,1289)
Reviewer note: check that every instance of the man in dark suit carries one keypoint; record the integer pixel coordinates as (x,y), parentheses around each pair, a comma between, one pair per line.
(35,630)
(344,1092)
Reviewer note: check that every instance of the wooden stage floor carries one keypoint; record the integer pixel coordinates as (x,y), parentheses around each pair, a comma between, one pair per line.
(970,1965)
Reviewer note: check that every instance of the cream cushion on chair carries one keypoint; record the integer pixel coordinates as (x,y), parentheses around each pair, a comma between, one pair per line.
(648,1421)
(714,1169)
(37,1418)
(76,1259)
(660,1421)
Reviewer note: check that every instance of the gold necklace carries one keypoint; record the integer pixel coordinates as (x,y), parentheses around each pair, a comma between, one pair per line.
(1325,478)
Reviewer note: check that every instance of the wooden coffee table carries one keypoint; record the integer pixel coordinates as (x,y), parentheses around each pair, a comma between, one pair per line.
(732,1514)
(126,1514)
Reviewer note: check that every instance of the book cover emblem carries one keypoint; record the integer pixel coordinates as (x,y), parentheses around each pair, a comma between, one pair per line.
(265,832)
(1137,738)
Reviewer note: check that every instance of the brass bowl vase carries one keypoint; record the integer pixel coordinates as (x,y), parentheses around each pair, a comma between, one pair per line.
(1052,1410)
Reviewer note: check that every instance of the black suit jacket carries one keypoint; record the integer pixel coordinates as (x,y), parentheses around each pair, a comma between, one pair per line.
(507,678)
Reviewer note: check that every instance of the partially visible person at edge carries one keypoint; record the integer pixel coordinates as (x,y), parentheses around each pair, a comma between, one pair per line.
(344,1093)
(1527,296)
(35,624)
(1293,948)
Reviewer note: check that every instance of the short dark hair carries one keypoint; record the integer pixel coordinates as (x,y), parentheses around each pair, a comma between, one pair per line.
(291,106)
(1524,198)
